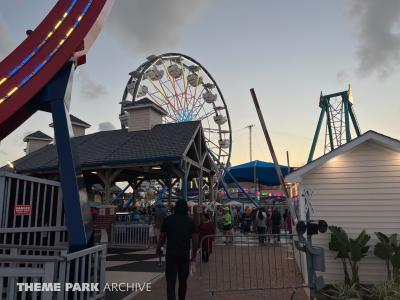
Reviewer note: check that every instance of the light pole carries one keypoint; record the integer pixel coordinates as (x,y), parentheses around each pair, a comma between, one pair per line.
(250,127)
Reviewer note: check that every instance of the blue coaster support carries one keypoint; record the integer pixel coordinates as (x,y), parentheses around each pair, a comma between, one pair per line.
(55,98)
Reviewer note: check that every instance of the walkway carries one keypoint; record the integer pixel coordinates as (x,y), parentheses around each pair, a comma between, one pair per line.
(128,265)
(240,266)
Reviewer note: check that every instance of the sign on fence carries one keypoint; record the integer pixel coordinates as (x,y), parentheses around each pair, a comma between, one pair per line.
(22,210)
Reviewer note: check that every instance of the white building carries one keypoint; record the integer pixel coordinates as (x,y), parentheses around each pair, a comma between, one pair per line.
(356,187)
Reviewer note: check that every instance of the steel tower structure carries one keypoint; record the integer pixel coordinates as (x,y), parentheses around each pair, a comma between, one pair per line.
(339,112)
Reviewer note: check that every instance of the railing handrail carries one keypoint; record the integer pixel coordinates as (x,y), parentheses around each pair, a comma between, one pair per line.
(33,247)
(21,272)
(97,248)
(33,229)
(29,178)
(29,258)
(123,224)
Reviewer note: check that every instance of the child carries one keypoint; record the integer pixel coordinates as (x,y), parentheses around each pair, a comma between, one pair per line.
(206,228)
(152,233)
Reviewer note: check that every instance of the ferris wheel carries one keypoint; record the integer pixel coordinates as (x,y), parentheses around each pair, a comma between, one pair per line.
(187,92)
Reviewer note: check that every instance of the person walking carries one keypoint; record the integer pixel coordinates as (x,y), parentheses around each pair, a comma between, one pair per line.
(287,219)
(261,224)
(276,224)
(228,225)
(160,213)
(206,228)
(247,219)
(178,229)
(152,233)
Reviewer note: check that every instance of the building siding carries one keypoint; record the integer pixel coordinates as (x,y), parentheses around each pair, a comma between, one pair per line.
(357,190)
(34,145)
(139,119)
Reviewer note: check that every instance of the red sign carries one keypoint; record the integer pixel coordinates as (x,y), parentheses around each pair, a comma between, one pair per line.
(23,210)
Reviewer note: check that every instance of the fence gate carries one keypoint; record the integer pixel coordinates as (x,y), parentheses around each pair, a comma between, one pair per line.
(130,235)
(253,267)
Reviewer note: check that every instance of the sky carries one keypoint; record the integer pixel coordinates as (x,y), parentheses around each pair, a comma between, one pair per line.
(288,51)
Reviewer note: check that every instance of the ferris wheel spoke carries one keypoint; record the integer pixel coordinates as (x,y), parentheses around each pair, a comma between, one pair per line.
(212,130)
(217,146)
(175,99)
(205,115)
(166,99)
(170,80)
(198,98)
(200,107)
(181,94)
(195,102)
(209,114)
(195,88)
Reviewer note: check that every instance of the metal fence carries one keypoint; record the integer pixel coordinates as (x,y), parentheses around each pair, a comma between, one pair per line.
(45,223)
(262,266)
(129,235)
(51,265)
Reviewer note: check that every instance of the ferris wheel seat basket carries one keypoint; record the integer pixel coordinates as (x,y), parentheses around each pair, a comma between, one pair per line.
(194,80)
(220,119)
(174,71)
(154,74)
(209,97)
(224,143)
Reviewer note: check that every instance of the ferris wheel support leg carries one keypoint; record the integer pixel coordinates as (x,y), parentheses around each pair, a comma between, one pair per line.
(55,98)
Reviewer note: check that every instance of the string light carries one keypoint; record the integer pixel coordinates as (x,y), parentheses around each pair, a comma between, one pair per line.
(40,66)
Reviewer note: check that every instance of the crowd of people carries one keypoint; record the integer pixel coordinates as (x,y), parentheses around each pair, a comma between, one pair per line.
(262,220)
(183,232)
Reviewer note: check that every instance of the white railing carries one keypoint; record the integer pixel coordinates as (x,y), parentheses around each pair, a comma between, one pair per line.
(44,225)
(86,266)
(26,269)
(130,235)
(89,266)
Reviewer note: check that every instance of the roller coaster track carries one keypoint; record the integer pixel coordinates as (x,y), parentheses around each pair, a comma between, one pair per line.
(66,32)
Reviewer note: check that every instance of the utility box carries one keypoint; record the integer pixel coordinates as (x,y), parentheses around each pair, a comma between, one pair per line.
(318,258)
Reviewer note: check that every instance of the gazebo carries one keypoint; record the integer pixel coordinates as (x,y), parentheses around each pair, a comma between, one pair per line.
(170,153)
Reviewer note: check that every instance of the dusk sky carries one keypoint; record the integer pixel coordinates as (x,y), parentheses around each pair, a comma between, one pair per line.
(288,51)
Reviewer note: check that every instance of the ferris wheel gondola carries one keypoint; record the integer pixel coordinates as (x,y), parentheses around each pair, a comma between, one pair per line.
(187,92)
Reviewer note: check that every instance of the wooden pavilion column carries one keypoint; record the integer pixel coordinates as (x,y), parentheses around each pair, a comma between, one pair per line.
(211,190)
(108,178)
(185,175)
(169,184)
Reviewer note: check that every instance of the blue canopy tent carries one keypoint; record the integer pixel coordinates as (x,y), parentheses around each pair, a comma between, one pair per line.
(263,172)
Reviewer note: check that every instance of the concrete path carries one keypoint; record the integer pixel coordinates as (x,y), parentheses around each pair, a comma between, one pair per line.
(242,270)
(131,266)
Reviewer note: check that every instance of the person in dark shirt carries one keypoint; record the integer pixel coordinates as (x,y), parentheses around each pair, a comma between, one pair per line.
(178,229)
(276,223)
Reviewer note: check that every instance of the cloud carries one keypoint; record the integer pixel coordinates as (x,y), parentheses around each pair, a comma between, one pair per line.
(5,39)
(90,89)
(105,126)
(377,27)
(342,77)
(152,26)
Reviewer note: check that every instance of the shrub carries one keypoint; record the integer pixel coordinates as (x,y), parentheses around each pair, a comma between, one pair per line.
(388,290)
(343,292)
(388,249)
(349,251)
